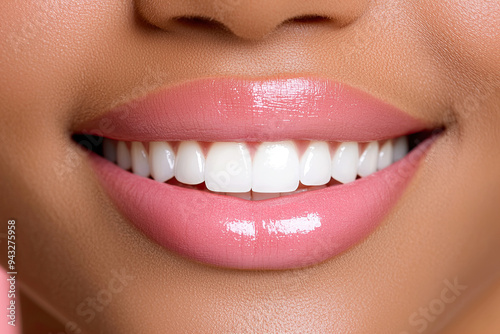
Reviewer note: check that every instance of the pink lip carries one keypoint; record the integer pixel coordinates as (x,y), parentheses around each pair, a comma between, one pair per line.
(286,232)
(248,110)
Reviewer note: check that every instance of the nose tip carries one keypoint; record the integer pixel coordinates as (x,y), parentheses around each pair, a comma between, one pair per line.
(248,19)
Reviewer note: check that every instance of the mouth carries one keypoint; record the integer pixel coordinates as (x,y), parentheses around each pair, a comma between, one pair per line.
(249,174)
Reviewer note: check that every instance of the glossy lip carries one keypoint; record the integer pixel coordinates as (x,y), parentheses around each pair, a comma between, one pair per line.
(230,109)
(282,233)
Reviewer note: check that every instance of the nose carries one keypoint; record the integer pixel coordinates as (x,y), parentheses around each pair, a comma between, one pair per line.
(248,19)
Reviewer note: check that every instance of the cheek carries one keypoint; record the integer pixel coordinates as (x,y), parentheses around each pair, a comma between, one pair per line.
(47,47)
(468,30)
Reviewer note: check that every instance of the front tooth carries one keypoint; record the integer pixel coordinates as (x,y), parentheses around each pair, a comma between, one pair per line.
(162,161)
(109,149)
(275,168)
(345,162)
(368,160)
(228,168)
(316,164)
(385,155)
(400,148)
(190,163)
(123,156)
(140,164)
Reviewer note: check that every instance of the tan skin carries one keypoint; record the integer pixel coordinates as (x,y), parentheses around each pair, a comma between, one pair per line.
(65,62)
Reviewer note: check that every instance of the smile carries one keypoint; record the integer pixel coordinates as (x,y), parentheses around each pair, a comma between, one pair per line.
(255,171)
(250,174)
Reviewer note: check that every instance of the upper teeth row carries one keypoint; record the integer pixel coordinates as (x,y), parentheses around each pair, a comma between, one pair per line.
(275,167)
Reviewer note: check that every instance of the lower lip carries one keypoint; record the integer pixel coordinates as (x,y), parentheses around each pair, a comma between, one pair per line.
(282,233)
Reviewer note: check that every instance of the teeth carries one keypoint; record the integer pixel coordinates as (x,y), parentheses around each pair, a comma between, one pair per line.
(301,190)
(385,155)
(123,156)
(190,163)
(345,162)
(229,168)
(368,160)
(275,168)
(400,148)
(140,164)
(109,149)
(315,164)
(161,161)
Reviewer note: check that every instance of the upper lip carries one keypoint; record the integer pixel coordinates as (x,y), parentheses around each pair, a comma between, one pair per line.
(232,109)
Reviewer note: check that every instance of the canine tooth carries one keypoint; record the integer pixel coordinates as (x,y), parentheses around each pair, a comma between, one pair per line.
(190,163)
(262,196)
(228,168)
(161,160)
(345,162)
(123,156)
(275,168)
(385,155)
(316,164)
(400,148)
(140,164)
(368,160)
(109,149)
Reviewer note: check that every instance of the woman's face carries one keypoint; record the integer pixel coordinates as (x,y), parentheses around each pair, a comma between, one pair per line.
(66,63)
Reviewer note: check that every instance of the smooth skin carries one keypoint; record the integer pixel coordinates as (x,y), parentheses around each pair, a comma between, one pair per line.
(64,62)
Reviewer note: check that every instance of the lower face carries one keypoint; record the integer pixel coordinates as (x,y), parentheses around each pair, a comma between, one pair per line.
(193,244)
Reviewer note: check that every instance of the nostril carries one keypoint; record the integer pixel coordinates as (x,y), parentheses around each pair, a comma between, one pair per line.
(199,22)
(318,20)
(195,20)
(309,19)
